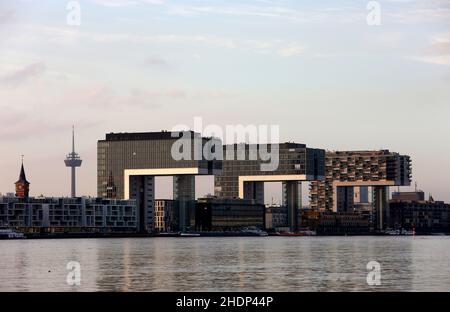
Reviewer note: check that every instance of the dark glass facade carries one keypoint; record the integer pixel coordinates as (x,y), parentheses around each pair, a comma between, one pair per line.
(121,151)
(294,159)
(212,214)
(424,217)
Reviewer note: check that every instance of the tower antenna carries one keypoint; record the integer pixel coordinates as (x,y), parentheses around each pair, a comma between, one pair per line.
(73,139)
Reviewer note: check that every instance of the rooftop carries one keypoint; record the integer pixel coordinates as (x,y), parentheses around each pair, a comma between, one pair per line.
(144,136)
(361,153)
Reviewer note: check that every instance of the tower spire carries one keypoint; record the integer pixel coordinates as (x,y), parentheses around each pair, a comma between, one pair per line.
(22,185)
(73,139)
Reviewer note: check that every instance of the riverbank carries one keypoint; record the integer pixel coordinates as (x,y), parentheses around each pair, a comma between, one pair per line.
(194,235)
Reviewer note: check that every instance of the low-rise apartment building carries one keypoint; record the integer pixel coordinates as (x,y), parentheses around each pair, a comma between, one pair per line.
(33,214)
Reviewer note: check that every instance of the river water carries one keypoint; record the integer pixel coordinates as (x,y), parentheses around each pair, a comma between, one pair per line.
(226,264)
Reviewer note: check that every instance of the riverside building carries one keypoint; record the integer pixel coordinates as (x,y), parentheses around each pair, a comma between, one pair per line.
(347,171)
(67,215)
(49,214)
(129,163)
(244,178)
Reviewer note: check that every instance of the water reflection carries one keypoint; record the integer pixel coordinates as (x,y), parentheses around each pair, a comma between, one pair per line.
(227,264)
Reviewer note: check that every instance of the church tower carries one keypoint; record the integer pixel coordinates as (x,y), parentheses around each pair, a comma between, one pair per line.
(22,186)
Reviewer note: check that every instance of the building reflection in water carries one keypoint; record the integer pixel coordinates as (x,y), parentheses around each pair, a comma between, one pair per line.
(227,264)
(253,264)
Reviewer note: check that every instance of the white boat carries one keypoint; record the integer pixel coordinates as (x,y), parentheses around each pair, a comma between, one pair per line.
(254,231)
(392,232)
(307,233)
(190,235)
(408,233)
(7,233)
(400,232)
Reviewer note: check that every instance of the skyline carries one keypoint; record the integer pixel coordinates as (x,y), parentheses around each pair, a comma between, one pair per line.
(206,183)
(317,70)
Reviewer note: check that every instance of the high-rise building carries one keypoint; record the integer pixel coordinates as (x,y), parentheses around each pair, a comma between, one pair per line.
(133,160)
(242,175)
(346,170)
(165,217)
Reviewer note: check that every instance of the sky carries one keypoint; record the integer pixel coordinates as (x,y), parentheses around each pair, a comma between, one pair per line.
(317,69)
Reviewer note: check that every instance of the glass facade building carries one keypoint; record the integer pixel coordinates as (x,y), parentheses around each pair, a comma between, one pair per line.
(152,150)
(216,214)
(243,175)
(293,160)
(129,162)
(345,170)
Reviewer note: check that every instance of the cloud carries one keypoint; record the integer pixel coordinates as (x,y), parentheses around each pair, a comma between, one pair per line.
(7,20)
(123,3)
(24,74)
(99,96)
(258,8)
(6,16)
(416,11)
(213,95)
(397,11)
(66,36)
(438,52)
(20,125)
(155,62)
(292,50)
(268,9)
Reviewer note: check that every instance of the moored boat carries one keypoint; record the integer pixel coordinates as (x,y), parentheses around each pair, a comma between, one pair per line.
(400,232)
(8,233)
(190,235)
(297,234)
(254,231)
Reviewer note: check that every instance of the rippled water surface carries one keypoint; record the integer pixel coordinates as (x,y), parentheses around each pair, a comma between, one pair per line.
(227,264)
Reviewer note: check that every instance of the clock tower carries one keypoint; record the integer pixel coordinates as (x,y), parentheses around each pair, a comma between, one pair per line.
(22,186)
